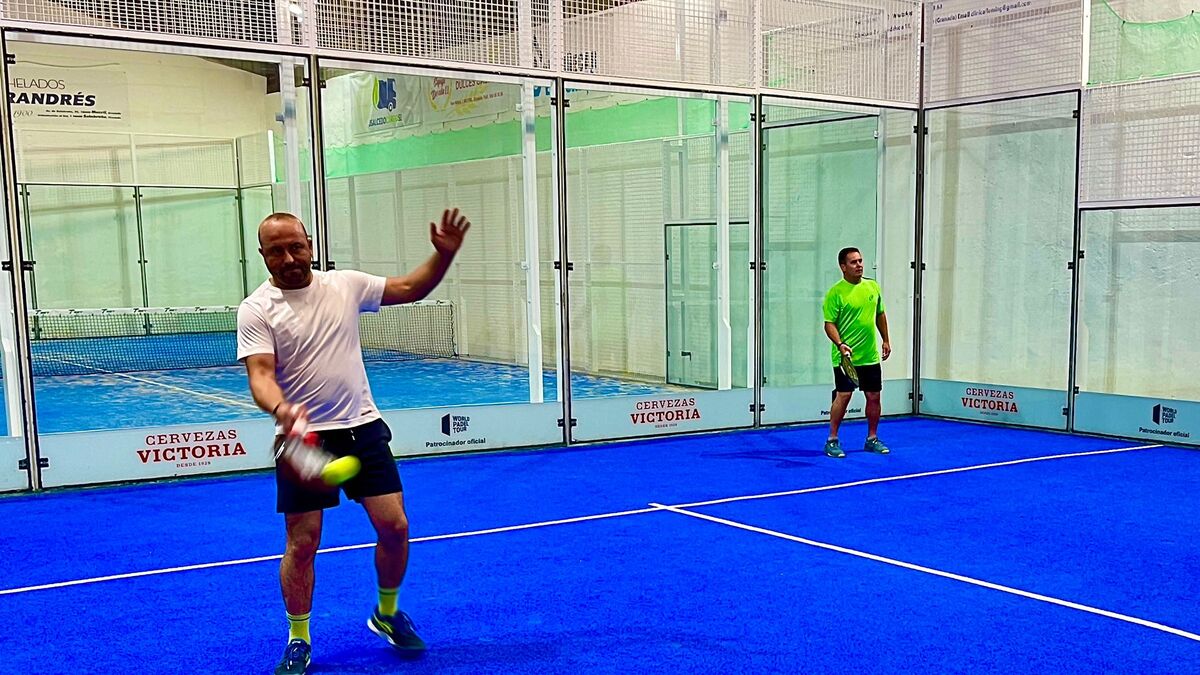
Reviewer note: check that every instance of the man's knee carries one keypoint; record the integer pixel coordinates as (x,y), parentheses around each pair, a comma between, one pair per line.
(388,517)
(303,538)
(872,396)
(842,397)
(395,529)
(302,547)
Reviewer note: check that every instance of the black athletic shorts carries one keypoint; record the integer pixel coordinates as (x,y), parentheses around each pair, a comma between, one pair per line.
(870,378)
(378,476)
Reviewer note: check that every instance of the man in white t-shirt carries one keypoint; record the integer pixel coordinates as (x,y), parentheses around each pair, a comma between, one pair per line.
(298,335)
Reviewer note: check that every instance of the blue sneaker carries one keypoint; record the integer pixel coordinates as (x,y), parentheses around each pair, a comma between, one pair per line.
(296,658)
(875,445)
(834,449)
(398,630)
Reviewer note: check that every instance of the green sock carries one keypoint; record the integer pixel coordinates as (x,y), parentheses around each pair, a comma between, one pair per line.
(298,627)
(387,600)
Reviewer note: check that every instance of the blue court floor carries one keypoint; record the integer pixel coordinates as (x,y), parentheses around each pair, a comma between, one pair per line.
(969,549)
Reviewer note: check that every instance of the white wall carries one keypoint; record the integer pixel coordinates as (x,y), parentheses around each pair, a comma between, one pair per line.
(172,103)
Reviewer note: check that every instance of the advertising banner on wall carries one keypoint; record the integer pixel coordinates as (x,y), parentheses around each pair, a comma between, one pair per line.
(994,403)
(428,431)
(43,96)
(1165,421)
(950,12)
(92,457)
(384,103)
(95,457)
(632,416)
(810,403)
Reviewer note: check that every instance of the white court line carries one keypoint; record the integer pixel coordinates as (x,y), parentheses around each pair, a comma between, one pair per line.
(164,385)
(334,549)
(923,474)
(511,528)
(939,573)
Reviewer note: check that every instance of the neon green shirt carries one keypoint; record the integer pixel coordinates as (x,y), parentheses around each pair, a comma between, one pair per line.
(853,308)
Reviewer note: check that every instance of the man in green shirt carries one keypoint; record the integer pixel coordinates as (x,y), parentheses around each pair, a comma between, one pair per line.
(853,310)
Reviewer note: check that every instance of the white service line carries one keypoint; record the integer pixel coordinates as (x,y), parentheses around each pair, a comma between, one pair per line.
(923,474)
(935,572)
(333,549)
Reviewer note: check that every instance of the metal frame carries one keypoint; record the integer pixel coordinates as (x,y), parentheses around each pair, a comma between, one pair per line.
(1195,77)
(922,165)
(559,125)
(757,230)
(834,99)
(1125,204)
(680,224)
(316,128)
(805,123)
(145,42)
(16,261)
(1001,97)
(1075,264)
(920,131)
(185,44)
(786,97)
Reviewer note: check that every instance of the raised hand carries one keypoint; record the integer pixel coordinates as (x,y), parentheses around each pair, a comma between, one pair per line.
(447,237)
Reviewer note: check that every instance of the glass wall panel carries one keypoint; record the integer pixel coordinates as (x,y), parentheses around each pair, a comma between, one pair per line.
(999,225)
(135,206)
(12,437)
(83,241)
(1140,285)
(473,365)
(189,229)
(833,178)
(659,241)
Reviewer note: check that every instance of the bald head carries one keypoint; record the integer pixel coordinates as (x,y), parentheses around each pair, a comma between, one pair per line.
(278,223)
(286,250)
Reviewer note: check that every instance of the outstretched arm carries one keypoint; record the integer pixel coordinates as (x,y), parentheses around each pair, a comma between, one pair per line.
(447,238)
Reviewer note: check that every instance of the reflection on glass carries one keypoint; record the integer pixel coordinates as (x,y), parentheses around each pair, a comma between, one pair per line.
(401,148)
(192,229)
(1140,281)
(821,179)
(660,288)
(998,236)
(136,214)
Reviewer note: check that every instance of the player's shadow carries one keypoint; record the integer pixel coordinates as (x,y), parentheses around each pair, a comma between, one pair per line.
(784,458)
(487,657)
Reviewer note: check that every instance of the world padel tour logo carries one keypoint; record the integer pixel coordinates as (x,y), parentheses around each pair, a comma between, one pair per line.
(989,401)
(664,413)
(454,424)
(1161,414)
(191,448)
(385,94)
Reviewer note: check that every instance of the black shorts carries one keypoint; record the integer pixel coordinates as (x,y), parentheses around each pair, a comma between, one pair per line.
(378,476)
(870,379)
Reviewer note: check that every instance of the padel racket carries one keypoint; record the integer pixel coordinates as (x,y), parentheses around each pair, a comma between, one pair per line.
(307,463)
(848,369)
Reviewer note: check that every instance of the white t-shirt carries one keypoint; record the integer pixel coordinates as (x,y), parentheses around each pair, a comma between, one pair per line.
(313,333)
